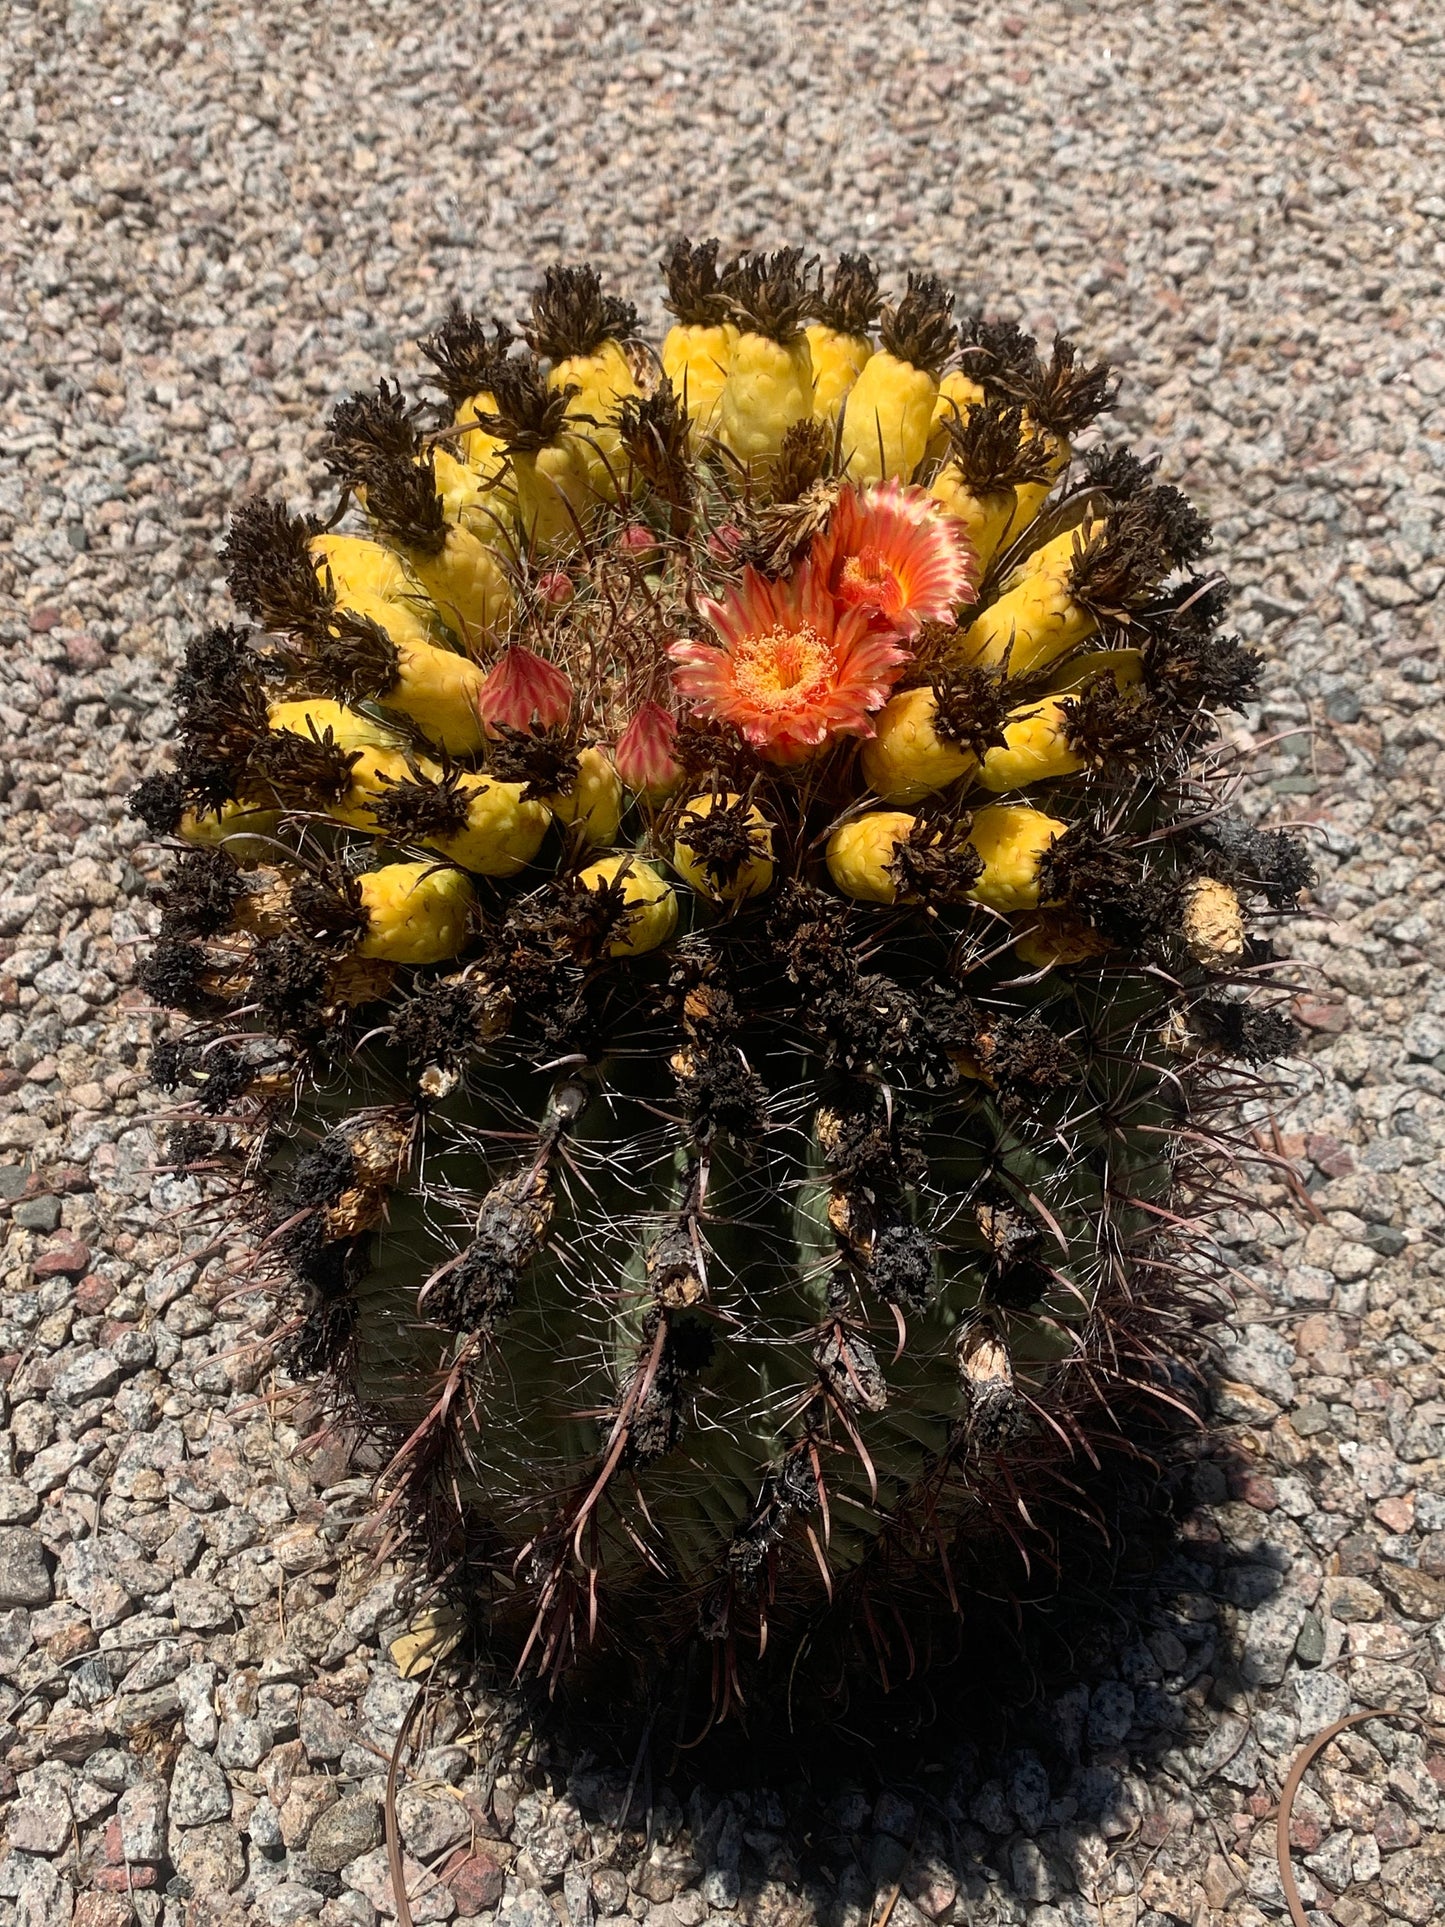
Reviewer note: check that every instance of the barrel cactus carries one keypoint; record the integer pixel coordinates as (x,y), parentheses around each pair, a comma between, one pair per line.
(703,925)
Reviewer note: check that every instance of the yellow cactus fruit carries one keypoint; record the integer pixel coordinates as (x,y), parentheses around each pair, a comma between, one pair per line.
(957,394)
(1059,397)
(359,566)
(837,361)
(697,351)
(482,451)
(1126,666)
(1032,495)
(888,416)
(504,829)
(769,385)
(838,338)
(312,587)
(651,902)
(1036,749)
(314,715)
(1213,924)
(410,622)
(417,913)
(1036,619)
(985,518)
(553,493)
(724,848)
(567,457)
(987,458)
(580,331)
(438,690)
(594,802)
(372,774)
(461,487)
(466,580)
(1046,560)
(603,381)
(859,854)
(907,759)
(547,497)
(245,829)
(479,822)
(465,357)
(1053,939)
(886,420)
(432,686)
(374,448)
(1011,839)
(696,358)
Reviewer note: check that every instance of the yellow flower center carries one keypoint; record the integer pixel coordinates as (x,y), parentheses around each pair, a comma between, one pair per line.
(783,668)
(868,578)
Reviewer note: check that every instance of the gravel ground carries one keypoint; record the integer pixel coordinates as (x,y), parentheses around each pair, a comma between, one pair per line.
(219,217)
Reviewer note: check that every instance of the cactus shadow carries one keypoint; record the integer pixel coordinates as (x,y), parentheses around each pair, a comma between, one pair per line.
(1064,1710)
(1008,1774)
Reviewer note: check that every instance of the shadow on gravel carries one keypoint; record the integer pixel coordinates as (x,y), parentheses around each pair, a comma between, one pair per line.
(1061,1710)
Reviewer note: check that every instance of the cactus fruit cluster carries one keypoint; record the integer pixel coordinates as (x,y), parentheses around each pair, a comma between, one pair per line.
(705,936)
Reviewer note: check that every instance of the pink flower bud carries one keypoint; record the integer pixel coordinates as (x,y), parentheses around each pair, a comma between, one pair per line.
(636,539)
(724,542)
(555,589)
(644,754)
(522,691)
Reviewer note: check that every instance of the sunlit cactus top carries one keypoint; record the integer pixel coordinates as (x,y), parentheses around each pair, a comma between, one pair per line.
(706,922)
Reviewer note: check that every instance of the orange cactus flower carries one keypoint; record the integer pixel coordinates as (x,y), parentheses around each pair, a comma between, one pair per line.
(792,669)
(887,550)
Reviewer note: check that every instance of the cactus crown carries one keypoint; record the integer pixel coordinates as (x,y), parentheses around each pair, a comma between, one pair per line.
(718,974)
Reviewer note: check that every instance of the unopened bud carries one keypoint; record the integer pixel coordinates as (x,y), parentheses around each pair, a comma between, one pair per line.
(644,755)
(637,540)
(522,691)
(555,589)
(724,542)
